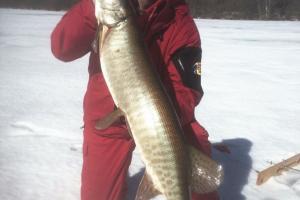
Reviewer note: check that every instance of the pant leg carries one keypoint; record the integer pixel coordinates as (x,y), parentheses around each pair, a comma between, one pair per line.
(106,159)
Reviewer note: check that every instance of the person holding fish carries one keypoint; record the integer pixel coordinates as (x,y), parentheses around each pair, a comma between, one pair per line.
(173,46)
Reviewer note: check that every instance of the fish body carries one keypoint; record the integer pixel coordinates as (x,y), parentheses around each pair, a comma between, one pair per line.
(139,93)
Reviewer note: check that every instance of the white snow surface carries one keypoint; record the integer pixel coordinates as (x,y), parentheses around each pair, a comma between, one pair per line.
(251,78)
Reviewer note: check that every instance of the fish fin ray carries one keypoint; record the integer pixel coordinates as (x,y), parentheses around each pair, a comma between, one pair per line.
(102,35)
(146,189)
(206,174)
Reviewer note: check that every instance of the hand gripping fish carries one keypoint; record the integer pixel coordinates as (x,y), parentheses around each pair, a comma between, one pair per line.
(173,168)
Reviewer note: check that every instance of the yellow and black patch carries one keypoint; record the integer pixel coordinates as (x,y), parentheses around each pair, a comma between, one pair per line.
(188,63)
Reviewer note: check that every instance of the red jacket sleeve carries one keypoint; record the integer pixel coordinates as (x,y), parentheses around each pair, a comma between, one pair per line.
(184,98)
(183,33)
(73,35)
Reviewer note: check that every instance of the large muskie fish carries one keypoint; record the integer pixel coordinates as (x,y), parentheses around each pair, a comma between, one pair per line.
(172,167)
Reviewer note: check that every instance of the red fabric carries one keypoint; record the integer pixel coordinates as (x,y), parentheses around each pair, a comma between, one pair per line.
(72,37)
(167,26)
(106,160)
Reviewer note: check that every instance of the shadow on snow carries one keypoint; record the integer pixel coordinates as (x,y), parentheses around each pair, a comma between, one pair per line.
(237,167)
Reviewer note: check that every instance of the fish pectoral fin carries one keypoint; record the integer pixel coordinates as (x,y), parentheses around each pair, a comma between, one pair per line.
(102,35)
(206,174)
(146,189)
(108,120)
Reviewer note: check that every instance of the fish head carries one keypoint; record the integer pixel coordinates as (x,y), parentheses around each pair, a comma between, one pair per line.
(111,12)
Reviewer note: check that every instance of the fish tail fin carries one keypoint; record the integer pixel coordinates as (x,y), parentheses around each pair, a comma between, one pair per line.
(146,189)
(206,174)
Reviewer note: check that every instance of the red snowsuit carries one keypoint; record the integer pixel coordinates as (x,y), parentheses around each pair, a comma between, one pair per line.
(167,27)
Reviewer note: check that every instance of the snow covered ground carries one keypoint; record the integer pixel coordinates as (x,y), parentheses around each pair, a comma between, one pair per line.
(251,77)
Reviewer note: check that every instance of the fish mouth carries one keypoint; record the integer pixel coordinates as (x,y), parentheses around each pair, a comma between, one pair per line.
(111,13)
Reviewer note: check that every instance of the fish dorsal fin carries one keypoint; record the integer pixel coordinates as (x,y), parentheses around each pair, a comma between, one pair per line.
(108,120)
(206,174)
(146,189)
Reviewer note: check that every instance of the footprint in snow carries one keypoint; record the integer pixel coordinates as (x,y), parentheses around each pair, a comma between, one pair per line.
(76,147)
(291,179)
(24,128)
(296,187)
